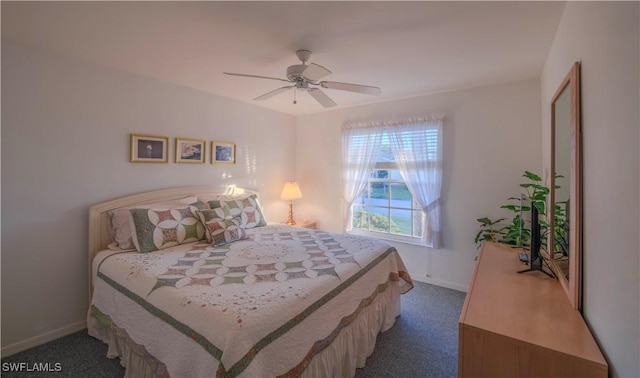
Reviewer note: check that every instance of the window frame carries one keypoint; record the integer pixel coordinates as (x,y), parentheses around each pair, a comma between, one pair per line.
(388,235)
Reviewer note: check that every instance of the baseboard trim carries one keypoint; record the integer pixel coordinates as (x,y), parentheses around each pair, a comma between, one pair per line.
(437,282)
(42,339)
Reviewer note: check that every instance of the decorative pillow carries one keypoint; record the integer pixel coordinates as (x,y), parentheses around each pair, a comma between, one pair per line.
(218,212)
(153,229)
(247,208)
(120,227)
(198,205)
(230,230)
(222,231)
(213,215)
(217,197)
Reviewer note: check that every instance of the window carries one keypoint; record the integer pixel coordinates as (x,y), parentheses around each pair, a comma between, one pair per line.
(386,205)
(392,176)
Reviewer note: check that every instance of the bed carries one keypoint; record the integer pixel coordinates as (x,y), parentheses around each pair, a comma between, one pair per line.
(209,288)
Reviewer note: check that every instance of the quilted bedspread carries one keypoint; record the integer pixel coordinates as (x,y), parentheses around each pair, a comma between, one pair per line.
(264,305)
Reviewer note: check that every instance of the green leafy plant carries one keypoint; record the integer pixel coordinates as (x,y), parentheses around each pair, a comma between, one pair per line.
(516,231)
(561,229)
(488,230)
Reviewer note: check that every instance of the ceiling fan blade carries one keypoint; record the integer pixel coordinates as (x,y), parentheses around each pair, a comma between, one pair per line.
(314,72)
(321,97)
(365,89)
(273,93)
(256,76)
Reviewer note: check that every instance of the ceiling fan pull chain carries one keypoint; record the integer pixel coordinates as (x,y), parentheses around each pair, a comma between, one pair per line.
(295,91)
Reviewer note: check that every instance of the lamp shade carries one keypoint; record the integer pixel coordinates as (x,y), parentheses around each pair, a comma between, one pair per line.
(291,191)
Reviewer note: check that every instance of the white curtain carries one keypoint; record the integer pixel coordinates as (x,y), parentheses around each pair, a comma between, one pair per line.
(417,148)
(360,147)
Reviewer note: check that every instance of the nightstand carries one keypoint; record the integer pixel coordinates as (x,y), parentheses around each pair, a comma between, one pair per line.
(306,223)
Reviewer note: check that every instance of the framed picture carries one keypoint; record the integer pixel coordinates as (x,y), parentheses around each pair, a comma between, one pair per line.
(190,150)
(149,149)
(223,152)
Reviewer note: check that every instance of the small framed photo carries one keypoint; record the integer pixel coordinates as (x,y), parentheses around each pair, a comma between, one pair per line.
(223,152)
(149,149)
(190,150)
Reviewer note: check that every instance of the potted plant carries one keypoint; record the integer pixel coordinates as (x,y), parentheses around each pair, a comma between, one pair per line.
(516,232)
(488,230)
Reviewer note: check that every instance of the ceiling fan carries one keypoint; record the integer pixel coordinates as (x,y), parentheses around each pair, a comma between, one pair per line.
(305,77)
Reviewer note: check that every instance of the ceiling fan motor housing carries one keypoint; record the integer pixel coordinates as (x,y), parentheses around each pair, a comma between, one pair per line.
(304,55)
(295,72)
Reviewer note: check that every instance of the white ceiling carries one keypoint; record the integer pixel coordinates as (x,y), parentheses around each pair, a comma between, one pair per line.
(405,48)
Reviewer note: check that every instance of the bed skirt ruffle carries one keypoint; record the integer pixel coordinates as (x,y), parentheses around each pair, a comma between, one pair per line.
(347,350)
(133,357)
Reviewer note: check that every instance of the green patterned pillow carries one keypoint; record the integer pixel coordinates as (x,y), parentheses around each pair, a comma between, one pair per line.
(120,219)
(218,212)
(213,215)
(153,229)
(222,231)
(247,208)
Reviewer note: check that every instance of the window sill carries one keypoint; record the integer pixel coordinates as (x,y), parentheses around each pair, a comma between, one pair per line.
(389,237)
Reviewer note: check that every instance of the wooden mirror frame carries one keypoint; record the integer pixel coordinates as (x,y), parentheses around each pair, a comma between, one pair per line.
(572,285)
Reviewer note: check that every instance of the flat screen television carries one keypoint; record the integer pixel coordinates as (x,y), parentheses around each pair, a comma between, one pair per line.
(536,260)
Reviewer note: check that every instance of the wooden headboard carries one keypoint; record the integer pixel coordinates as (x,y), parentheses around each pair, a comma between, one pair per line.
(99,237)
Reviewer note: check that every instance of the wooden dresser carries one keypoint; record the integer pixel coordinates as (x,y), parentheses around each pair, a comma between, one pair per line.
(522,325)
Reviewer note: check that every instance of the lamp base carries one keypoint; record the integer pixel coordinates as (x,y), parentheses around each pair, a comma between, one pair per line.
(290,221)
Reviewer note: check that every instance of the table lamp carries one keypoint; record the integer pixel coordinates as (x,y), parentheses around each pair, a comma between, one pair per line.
(291,191)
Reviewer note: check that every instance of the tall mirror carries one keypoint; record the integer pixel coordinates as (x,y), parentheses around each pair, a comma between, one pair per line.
(565,204)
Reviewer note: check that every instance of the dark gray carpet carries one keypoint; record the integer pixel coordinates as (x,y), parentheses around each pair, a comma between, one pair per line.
(422,343)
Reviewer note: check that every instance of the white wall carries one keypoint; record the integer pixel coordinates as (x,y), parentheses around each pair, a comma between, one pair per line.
(491,136)
(604,36)
(65,146)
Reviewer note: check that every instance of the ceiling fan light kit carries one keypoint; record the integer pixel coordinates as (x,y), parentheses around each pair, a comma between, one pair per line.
(305,77)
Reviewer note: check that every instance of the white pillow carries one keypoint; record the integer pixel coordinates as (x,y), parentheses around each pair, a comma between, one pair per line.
(120,224)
